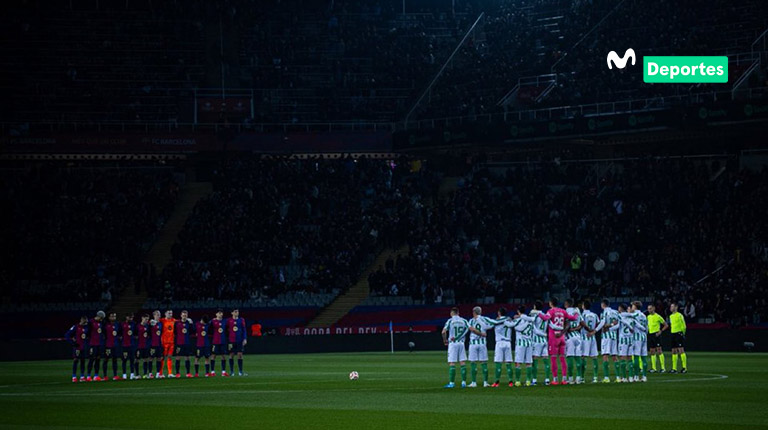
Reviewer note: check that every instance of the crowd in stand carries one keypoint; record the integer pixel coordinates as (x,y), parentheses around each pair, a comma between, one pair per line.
(273,226)
(671,229)
(79,233)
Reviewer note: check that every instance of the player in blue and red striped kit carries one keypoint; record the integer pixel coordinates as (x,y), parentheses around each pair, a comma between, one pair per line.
(142,352)
(77,336)
(184,330)
(156,344)
(111,345)
(236,341)
(202,345)
(219,347)
(95,344)
(128,344)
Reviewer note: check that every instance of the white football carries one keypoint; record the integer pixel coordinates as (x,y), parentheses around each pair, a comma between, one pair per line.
(353,376)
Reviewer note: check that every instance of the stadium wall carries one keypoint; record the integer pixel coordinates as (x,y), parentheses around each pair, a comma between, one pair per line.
(725,340)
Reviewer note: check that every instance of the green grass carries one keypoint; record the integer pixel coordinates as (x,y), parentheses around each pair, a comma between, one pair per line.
(394,392)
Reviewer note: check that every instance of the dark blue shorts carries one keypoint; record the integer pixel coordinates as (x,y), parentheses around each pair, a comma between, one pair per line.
(110,352)
(236,347)
(142,353)
(95,351)
(183,350)
(156,351)
(219,349)
(203,351)
(79,352)
(128,352)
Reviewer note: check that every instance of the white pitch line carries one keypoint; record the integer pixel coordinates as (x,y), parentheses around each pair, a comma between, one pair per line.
(712,377)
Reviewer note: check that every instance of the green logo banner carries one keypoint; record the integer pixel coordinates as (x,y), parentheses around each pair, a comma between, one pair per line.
(683,70)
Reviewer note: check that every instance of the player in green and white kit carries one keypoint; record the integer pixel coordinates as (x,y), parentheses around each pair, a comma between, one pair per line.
(588,341)
(640,345)
(454,333)
(609,324)
(573,343)
(503,350)
(478,350)
(540,344)
(626,338)
(523,325)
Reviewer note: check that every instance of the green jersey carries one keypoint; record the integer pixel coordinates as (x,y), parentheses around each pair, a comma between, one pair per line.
(457,329)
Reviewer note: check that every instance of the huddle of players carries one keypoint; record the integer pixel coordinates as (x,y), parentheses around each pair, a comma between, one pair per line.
(568,334)
(155,340)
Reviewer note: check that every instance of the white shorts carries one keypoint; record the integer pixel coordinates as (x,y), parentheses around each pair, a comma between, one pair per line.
(523,354)
(540,350)
(640,348)
(503,352)
(573,347)
(625,350)
(478,353)
(456,352)
(589,347)
(608,347)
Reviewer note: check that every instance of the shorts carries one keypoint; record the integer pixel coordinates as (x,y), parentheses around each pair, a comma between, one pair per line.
(523,354)
(234,348)
(110,351)
(456,352)
(609,346)
(219,349)
(142,353)
(678,340)
(183,350)
(80,353)
(503,352)
(203,351)
(156,351)
(556,345)
(573,346)
(129,352)
(640,348)
(589,347)
(478,353)
(625,349)
(167,349)
(540,350)
(654,341)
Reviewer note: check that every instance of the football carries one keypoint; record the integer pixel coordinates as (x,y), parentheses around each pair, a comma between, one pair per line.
(353,376)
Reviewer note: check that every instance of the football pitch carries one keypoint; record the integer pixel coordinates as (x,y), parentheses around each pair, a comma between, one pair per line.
(313,391)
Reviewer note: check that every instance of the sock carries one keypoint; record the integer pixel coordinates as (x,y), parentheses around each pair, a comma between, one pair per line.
(186,365)
(594,367)
(74,368)
(451,373)
(170,364)
(240,364)
(124,368)
(178,366)
(518,373)
(231,365)
(207,368)
(684,359)
(617,368)
(485,371)
(622,368)
(644,362)
(145,367)
(223,365)
(197,368)
(606,370)
(563,366)
(104,368)
(535,370)
(498,372)
(528,373)
(661,361)
(464,372)
(547,368)
(674,361)
(473,366)
(553,361)
(82,367)
(630,368)
(653,362)
(509,372)
(159,366)
(569,362)
(637,365)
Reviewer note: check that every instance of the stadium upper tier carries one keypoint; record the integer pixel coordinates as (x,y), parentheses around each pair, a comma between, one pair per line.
(301,61)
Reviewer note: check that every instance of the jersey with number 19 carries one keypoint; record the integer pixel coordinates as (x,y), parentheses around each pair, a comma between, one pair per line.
(456,329)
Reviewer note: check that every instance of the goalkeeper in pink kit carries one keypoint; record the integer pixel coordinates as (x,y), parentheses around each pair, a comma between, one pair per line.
(556,330)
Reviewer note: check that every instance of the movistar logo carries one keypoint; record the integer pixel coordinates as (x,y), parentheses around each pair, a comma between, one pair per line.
(620,62)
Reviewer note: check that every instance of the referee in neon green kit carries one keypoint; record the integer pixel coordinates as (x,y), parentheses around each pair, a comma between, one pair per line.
(677,324)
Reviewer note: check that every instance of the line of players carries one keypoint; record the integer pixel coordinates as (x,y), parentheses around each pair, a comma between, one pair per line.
(155,340)
(627,336)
